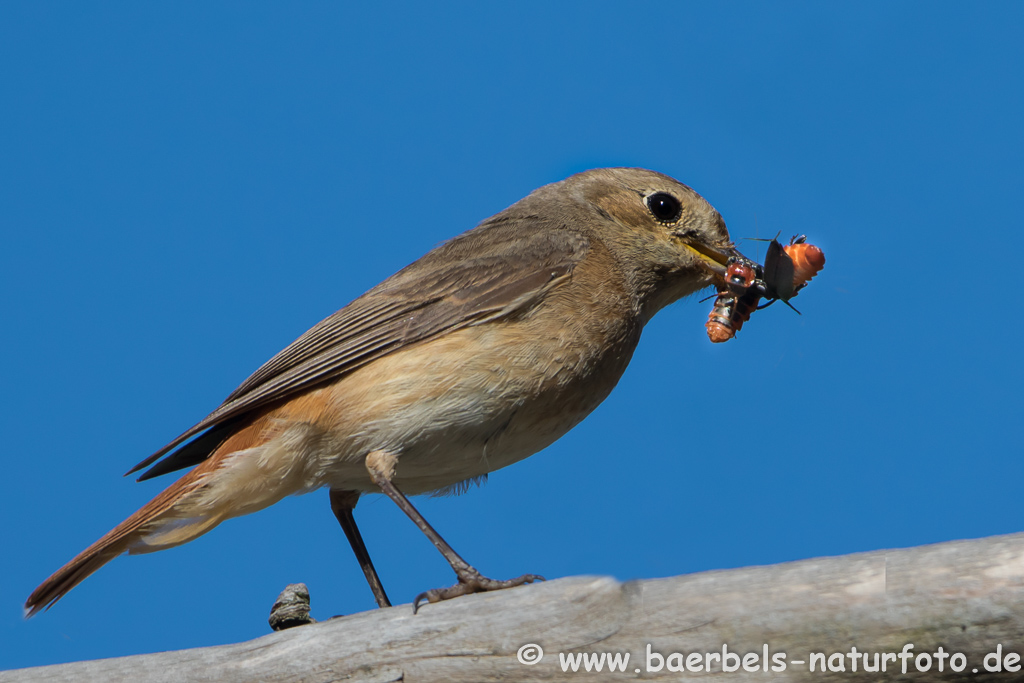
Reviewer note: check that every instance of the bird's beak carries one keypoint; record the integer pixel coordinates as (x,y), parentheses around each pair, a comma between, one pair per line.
(714,259)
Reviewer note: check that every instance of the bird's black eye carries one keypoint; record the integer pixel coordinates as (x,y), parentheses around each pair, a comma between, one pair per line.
(665,207)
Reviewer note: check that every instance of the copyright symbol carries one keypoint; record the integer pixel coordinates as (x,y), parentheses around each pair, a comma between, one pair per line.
(530,654)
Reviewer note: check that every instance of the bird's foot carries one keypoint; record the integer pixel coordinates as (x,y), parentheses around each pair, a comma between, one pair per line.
(471,581)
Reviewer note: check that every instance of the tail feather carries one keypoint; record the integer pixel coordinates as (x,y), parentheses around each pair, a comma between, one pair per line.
(129,535)
(176,516)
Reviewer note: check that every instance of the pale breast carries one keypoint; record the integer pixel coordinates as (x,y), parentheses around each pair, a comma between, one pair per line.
(470,402)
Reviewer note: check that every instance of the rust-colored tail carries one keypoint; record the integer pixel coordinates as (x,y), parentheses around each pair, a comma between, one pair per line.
(155,517)
(186,509)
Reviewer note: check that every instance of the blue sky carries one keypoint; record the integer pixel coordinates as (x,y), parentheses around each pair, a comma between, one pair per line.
(186,188)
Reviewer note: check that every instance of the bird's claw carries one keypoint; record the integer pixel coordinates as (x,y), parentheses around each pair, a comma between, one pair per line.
(472,583)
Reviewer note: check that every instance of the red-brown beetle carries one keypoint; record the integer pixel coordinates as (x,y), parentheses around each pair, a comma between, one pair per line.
(808,260)
(735,302)
(786,271)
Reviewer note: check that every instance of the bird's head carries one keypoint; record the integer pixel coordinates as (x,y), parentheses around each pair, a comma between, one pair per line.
(668,240)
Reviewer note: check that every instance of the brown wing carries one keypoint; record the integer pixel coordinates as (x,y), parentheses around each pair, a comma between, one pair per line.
(500,268)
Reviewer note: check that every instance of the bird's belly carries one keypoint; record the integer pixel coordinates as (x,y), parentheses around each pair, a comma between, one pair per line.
(463,405)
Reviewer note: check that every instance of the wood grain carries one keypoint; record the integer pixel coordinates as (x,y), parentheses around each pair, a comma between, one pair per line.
(965,596)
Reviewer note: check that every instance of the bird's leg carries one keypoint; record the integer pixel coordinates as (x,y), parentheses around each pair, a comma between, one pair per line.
(342,503)
(381,466)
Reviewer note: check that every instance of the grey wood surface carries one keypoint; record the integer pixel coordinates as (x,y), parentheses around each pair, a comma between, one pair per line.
(965,596)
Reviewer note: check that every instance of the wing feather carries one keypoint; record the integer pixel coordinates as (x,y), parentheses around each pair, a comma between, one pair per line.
(498,269)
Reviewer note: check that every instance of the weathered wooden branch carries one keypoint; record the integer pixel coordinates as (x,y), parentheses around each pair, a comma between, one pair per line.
(966,597)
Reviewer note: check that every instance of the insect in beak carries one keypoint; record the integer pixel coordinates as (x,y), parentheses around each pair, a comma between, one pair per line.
(788,268)
(785,272)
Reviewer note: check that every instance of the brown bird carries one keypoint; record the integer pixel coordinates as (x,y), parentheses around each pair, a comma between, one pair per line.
(479,354)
